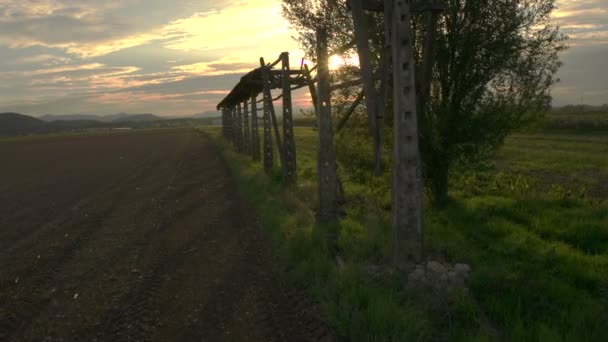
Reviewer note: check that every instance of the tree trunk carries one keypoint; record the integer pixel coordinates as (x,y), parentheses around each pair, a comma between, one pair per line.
(439,172)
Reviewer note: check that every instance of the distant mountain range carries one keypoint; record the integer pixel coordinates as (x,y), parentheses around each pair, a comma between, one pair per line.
(12,124)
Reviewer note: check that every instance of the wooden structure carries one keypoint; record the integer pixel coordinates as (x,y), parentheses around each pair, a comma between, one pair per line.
(396,73)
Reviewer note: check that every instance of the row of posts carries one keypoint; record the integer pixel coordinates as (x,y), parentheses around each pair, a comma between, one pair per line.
(407,194)
(240,124)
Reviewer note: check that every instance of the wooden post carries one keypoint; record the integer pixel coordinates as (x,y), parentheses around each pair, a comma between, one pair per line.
(367,74)
(268,150)
(223,122)
(228,123)
(289,145)
(407,210)
(239,124)
(255,135)
(235,128)
(268,102)
(326,161)
(246,129)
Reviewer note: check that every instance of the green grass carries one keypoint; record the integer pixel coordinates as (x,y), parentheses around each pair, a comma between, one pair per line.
(539,257)
(578,120)
(557,152)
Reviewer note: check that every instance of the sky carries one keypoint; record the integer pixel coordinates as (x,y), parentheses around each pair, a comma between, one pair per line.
(181,57)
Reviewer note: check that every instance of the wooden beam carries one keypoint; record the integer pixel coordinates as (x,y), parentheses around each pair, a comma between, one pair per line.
(268,102)
(255,135)
(415,7)
(246,129)
(313,91)
(233,121)
(230,124)
(289,144)
(407,209)
(346,84)
(349,111)
(280,72)
(326,161)
(239,114)
(268,150)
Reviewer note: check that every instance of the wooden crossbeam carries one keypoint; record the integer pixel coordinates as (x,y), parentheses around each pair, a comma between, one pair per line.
(416,6)
(270,106)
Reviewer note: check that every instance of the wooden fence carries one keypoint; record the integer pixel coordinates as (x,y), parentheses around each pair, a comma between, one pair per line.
(240,120)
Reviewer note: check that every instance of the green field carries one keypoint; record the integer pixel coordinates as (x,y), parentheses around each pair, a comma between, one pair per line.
(532,223)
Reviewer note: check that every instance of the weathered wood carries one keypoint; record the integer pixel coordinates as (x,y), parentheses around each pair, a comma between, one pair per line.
(280,72)
(351,83)
(239,124)
(415,6)
(326,161)
(349,111)
(235,128)
(246,130)
(273,117)
(289,144)
(224,123)
(407,210)
(255,135)
(230,124)
(268,150)
(312,90)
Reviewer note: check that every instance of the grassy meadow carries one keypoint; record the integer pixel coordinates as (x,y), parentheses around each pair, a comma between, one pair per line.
(532,223)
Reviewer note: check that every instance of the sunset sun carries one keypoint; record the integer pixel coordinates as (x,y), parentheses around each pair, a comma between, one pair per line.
(336,61)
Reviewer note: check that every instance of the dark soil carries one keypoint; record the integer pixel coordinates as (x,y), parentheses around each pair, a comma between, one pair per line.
(136,237)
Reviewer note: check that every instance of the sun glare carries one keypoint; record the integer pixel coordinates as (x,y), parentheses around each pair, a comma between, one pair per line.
(336,61)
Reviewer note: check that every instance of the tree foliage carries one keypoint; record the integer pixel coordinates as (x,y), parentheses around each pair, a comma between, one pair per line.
(495,64)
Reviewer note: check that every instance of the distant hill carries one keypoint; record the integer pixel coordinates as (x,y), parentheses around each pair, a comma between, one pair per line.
(207,114)
(12,124)
(70,117)
(17,124)
(120,117)
(135,118)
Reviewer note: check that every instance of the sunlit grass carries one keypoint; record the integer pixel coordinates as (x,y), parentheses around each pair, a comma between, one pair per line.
(539,258)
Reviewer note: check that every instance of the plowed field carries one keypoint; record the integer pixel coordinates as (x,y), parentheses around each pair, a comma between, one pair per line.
(135,236)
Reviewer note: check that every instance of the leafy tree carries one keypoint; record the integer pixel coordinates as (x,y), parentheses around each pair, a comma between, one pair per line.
(495,64)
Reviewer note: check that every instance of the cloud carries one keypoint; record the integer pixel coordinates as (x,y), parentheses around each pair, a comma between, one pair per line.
(252,23)
(91,28)
(44,59)
(583,20)
(221,67)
